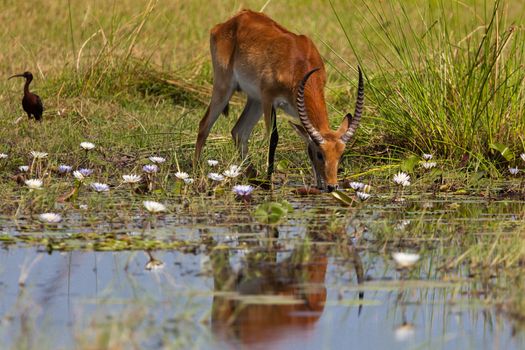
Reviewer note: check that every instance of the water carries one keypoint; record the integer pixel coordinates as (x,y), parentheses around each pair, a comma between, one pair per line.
(324,278)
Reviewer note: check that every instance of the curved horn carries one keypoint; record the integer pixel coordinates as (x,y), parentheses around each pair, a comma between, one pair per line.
(354,122)
(312,131)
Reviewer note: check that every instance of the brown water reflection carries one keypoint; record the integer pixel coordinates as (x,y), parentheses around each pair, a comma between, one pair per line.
(294,287)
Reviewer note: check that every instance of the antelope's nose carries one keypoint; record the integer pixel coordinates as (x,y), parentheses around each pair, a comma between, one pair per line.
(332,188)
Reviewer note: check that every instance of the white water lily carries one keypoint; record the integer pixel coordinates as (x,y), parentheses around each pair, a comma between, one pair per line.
(131,179)
(3,156)
(402,179)
(87,145)
(188,181)
(242,190)
(363,195)
(150,168)
(34,184)
(78,175)
(405,260)
(23,168)
(99,187)
(213,162)
(428,165)
(355,185)
(38,155)
(514,171)
(50,218)
(156,159)
(154,207)
(427,156)
(215,176)
(62,168)
(233,172)
(182,175)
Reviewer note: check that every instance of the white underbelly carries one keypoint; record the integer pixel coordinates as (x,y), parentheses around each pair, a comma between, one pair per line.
(253,90)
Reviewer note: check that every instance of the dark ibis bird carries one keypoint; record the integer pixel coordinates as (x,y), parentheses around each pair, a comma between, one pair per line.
(31,102)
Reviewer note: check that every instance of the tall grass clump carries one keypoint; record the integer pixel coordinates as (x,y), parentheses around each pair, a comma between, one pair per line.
(448,78)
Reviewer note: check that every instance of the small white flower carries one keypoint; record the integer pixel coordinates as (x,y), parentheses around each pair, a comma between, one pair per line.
(87,145)
(514,171)
(242,190)
(215,176)
(406,184)
(78,175)
(188,181)
(38,155)
(402,179)
(83,206)
(150,168)
(428,165)
(362,195)
(427,156)
(64,168)
(522,156)
(85,172)
(99,187)
(405,260)
(131,179)
(213,162)
(34,184)
(356,185)
(234,171)
(3,156)
(158,160)
(181,175)
(154,207)
(23,168)
(50,218)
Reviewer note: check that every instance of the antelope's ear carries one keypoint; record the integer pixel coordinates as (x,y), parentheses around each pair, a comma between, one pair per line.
(301,131)
(345,124)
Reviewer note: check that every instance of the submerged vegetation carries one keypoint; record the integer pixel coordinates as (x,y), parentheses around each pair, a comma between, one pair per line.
(433,186)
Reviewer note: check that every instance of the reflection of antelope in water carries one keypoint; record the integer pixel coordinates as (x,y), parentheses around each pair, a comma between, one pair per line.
(301,277)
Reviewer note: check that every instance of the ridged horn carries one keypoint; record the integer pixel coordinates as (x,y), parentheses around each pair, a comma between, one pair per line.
(303,116)
(353,122)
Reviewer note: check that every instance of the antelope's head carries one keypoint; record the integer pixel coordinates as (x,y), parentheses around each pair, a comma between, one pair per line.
(325,149)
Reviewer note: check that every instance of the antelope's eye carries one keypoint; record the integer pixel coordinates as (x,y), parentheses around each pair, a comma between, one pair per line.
(319,156)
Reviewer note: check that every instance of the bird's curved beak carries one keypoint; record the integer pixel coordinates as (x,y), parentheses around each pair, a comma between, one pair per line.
(16,75)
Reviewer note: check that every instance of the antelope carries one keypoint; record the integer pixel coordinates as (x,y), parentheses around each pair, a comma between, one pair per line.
(276,69)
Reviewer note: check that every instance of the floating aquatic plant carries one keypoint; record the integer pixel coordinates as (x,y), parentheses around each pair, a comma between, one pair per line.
(50,218)
(405,260)
(34,184)
(232,172)
(215,177)
(182,175)
(87,146)
(428,165)
(154,207)
(38,155)
(131,179)
(156,159)
(85,172)
(99,187)
(363,195)
(402,179)
(150,168)
(355,185)
(62,168)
